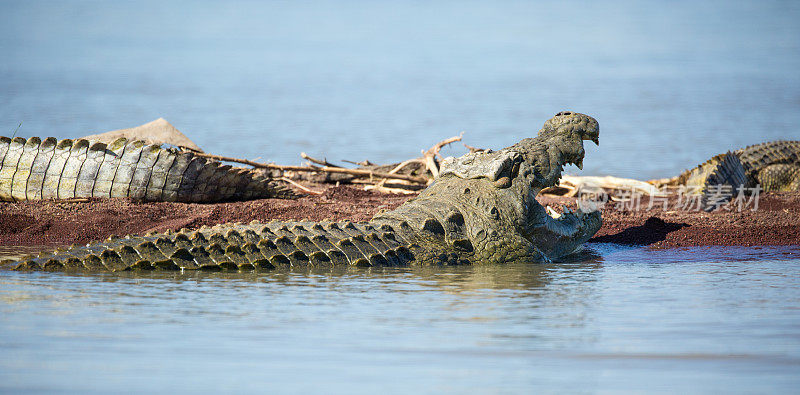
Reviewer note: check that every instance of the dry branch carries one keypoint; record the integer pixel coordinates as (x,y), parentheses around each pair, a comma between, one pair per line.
(473,149)
(323,162)
(328,169)
(73,200)
(404,164)
(383,189)
(362,163)
(430,155)
(611,186)
(300,187)
(438,146)
(432,166)
(376,180)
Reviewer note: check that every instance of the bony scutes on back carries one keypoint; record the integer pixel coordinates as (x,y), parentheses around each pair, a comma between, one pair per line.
(32,169)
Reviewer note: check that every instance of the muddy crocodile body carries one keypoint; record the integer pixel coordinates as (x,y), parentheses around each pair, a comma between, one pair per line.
(481,209)
(33,169)
(772,166)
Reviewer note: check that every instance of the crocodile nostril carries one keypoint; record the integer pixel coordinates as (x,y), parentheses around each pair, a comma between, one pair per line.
(564,113)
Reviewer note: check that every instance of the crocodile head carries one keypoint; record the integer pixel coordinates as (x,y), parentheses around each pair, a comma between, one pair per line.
(582,124)
(485,202)
(560,142)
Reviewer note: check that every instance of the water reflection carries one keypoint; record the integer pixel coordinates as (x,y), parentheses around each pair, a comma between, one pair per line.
(517,276)
(669,315)
(521,275)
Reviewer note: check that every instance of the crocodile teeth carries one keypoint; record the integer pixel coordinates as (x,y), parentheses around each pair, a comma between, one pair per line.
(552,212)
(579,163)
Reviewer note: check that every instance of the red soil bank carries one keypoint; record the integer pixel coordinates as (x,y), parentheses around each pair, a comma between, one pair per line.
(776,222)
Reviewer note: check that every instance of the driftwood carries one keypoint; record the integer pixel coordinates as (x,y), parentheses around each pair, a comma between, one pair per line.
(406,177)
(323,162)
(299,186)
(72,200)
(473,149)
(614,187)
(384,189)
(363,163)
(328,169)
(403,181)
(430,155)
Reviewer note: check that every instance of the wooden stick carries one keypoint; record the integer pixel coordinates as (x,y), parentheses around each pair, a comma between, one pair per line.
(431,153)
(357,172)
(244,161)
(364,162)
(404,183)
(323,162)
(383,189)
(430,163)
(438,146)
(473,149)
(73,200)
(397,168)
(296,184)
(365,173)
(609,183)
(403,164)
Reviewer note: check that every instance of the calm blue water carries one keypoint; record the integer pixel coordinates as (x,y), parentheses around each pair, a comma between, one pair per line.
(671,84)
(697,320)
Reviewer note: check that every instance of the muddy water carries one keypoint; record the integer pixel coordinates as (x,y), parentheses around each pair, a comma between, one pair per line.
(614,318)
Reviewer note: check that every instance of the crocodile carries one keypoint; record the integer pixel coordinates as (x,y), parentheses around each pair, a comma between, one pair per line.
(770,166)
(481,209)
(33,169)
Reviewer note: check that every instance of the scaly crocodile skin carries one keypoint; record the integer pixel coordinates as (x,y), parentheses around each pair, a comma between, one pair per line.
(482,209)
(772,166)
(44,169)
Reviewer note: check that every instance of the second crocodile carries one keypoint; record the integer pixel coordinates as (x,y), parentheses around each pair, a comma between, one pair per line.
(772,166)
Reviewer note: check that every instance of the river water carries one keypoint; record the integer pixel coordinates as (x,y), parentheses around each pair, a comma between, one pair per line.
(671,84)
(616,319)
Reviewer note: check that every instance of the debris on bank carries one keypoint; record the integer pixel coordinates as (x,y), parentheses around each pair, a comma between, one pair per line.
(634,212)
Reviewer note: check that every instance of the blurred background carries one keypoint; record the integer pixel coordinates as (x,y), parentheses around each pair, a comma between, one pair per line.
(671,83)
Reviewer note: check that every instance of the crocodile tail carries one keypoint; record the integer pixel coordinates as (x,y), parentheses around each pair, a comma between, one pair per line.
(726,179)
(728,171)
(697,176)
(255,246)
(51,169)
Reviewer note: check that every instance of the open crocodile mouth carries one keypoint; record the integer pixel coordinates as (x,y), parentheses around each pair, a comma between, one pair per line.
(588,211)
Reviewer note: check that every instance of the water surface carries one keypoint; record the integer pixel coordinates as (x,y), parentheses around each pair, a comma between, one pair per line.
(616,319)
